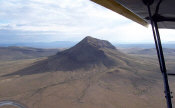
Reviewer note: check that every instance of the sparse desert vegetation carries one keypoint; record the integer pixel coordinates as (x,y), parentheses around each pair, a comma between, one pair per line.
(92,74)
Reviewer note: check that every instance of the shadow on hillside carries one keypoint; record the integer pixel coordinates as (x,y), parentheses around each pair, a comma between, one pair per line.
(43,67)
(88,54)
(53,64)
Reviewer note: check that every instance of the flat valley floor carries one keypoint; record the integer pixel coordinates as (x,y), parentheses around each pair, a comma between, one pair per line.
(129,87)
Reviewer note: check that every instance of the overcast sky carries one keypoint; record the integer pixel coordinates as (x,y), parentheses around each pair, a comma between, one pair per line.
(68,20)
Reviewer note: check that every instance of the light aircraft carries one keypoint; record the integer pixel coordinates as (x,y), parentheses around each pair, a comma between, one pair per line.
(158,13)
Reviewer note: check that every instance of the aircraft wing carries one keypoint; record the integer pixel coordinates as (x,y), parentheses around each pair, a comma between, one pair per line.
(137,11)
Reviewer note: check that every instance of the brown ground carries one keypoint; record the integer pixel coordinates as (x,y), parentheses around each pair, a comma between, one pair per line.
(135,82)
(113,88)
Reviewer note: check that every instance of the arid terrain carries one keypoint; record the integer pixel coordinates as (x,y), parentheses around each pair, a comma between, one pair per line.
(18,53)
(91,74)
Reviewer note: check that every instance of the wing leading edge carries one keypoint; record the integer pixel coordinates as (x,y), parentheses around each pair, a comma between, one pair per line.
(138,12)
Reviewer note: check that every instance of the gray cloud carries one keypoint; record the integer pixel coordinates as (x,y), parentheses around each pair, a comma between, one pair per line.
(31,20)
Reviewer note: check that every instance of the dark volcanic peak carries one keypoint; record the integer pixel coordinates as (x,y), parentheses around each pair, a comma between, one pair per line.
(89,54)
(97,43)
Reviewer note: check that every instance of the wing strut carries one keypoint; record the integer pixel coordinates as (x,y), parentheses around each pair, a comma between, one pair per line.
(159,49)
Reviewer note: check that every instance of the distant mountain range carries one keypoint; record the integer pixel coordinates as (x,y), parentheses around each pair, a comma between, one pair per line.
(165,45)
(57,44)
(148,51)
(68,44)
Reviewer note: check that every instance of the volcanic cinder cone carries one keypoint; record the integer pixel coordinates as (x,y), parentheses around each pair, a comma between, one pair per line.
(88,54)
